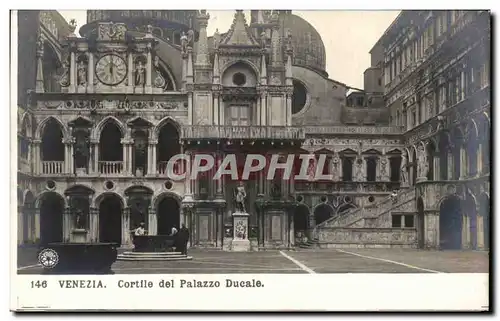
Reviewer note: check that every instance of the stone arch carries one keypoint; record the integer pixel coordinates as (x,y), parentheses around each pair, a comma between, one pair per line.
(469,209)
(164,121)
(168,212)
(484,214)
(322,212)
(96,133)
(431,151)
(41,126)
(252,66)
(25,125)
(162,195)
(51,206)
(450,222)
(45,194)
(98,199)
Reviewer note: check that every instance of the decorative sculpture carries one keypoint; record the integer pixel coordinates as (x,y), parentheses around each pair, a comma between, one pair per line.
(240,197)
(159,81)
(82,73)
(184,43)
(404,169)
(140,74)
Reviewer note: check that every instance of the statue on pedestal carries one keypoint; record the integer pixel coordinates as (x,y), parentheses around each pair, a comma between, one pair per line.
(404,170)
(240,198)
(140,74)
(82,73)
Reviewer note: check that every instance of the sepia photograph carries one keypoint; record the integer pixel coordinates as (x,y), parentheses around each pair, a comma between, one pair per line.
(179,143)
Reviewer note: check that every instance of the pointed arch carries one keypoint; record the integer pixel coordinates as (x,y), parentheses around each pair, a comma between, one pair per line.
(394,151)
(41,127)
(96,134)
(372,151)
(166,120)
(25,124)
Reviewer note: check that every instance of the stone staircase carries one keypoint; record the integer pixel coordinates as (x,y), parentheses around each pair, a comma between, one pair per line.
(309,244)
(369,226)
(153,256)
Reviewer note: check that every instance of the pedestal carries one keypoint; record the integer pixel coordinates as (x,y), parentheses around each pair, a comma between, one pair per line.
(240,242)
(79,236)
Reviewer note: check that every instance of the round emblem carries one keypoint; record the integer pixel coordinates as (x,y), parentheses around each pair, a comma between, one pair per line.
(48,258)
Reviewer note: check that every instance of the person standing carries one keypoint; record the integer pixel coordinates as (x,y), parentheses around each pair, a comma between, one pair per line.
(183,237)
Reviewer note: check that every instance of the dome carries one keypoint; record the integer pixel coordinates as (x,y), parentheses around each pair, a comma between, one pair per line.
(308,47)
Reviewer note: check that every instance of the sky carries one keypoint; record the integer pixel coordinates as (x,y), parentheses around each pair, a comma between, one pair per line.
(348,36)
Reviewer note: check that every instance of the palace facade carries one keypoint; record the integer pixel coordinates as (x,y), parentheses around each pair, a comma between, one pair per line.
(99,117)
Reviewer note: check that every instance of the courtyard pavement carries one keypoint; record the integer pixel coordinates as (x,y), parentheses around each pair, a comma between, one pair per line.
(300,261)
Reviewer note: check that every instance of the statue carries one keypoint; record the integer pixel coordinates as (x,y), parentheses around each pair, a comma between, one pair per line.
(64,77)
(79,219)
(289,40)
(216,39)
(240,198)
(140,74)
(190,38)
(81,155)
(404,170)
(184,43)
(360,176)
(82,73)
(422,162)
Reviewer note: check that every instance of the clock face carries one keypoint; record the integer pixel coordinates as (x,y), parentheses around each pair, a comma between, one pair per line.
(111,69)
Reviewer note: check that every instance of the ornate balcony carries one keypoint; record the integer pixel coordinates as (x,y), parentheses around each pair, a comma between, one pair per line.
(242,132)
(110,168)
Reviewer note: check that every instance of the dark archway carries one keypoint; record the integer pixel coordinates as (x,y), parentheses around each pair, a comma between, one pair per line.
(421,223)
(52,145)
(322,212)
(168,215)
(168,146)
(444,146)
(51,218)
(301,218)
(450,224)
(110,219)
(110,149)
(484,211)
(431,153)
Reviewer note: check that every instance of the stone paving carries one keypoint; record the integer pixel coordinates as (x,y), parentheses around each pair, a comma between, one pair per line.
(305,261)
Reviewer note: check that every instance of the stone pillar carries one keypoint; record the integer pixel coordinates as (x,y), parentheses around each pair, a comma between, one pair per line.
(188,180)
(37,224)
(153,221)
(263,109)
(94,225)
(95,158)
(126,227)
(479,162)
(437,168)
(218,181)
(36,157)
(72,74)
(130,83)
(153,170)
(190,108)
(431,224)
(130,149)
(149,166)
(67,224)
(466,237)
(479,229)
(451,165)
(124,143)
(463,162)
(217,120)
(149,64)
(90,73)
(67,156)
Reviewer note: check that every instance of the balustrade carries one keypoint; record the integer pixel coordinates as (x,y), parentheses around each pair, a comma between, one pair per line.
(110,167)
(52,167)
(242,132)
(162,168)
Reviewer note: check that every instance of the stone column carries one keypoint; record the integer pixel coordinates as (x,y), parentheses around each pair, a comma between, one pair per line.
(153,221)
(94,225)
(431,233)
(149,64)
(67,224)
(130,150)
(130,83)
(95,157)
(72,74)
(436,169)
(67,156)
(153,157)
(479,162)
(479,229)
(217,120)
(263,109)
(188,180)
(36,156)
(451,165)
(124,143)
(90,73)
(37,224)
(126,227)
(149,166)
(218,181)
(463,162)
(466,237)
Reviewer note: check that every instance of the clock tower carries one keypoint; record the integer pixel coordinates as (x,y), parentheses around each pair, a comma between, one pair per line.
(112,62)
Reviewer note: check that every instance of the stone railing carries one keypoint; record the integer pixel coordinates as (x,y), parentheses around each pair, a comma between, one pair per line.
(371,211)
(354,130)
(110,167)
(52,167)
(242,132)
(366,237)
(163,170)
(336,186)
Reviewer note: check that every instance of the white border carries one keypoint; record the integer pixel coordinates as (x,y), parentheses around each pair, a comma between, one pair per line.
(214,4)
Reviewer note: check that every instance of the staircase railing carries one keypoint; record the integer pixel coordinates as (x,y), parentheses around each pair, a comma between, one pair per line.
(361,212)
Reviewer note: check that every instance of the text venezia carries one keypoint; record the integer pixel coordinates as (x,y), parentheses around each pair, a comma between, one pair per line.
(173,283)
